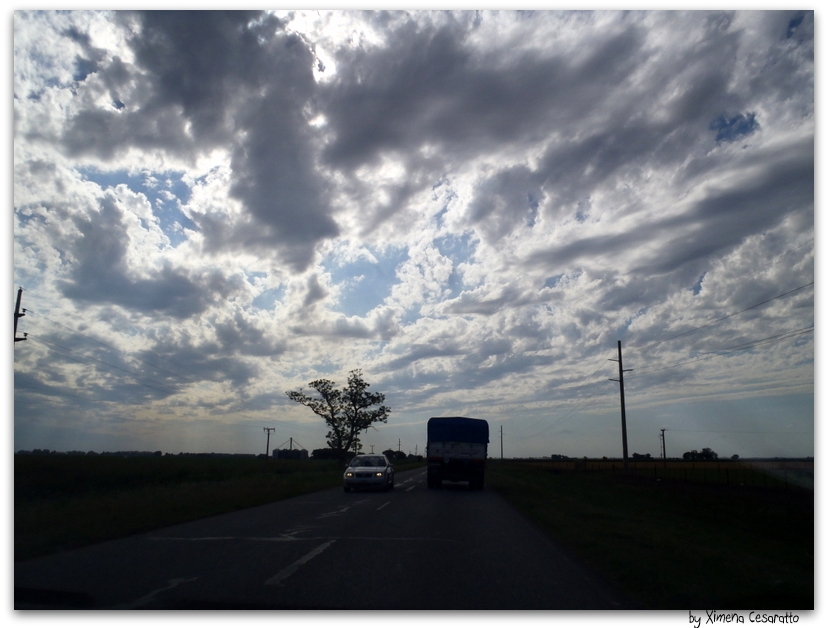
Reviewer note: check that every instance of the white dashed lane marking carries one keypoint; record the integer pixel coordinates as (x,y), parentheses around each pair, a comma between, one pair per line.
(290,569)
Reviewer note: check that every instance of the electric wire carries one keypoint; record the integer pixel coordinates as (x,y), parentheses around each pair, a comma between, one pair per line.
(740,347)
(136,376)
(719,320)
(131,354)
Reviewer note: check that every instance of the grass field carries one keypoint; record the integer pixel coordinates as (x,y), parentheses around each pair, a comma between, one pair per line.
(62,502)
(695,535)
(694,541)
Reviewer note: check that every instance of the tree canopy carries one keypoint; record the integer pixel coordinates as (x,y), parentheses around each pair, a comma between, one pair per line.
(348,411)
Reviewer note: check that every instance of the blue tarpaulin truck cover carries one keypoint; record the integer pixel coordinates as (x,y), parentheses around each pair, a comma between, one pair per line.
(458,429)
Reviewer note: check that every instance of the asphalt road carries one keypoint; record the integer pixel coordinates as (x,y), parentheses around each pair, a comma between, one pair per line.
(407,549)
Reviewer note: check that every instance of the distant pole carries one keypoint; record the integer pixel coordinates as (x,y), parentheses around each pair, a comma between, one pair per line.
(620,380)
(18,314)
(501,442)
(291,443)
(664,445)
(399,444)
(267,447)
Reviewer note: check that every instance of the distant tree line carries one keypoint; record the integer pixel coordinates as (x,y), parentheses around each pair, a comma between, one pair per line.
(49,452)
(704,454)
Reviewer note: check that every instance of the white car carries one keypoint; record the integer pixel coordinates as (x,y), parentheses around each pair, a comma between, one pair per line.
(369,471)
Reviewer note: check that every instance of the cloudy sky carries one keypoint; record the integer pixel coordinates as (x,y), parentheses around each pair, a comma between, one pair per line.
(474,208)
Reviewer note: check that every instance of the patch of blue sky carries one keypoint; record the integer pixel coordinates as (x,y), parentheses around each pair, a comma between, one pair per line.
(365,284)
(83,68)
(455,283)
(794,24)
(411,316)
(164,191)
(731,129)
(268,299)
(551,282)
(697,287)
(459,249)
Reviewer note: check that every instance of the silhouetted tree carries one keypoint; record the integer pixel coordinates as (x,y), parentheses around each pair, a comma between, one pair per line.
(704,454)
(709,454)
(348,412)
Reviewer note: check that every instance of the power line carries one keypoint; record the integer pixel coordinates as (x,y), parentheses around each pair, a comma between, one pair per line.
(735,348)
(87,357)
(600,366)
(588,401)
(719,320)
(74,331)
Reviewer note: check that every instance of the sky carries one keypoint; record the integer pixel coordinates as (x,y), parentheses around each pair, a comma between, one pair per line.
(473,207)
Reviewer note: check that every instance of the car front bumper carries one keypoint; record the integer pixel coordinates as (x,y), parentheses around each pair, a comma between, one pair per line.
(372,481)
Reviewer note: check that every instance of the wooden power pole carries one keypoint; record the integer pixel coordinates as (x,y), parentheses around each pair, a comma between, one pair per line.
(18,314)
(620,380)
(267,447)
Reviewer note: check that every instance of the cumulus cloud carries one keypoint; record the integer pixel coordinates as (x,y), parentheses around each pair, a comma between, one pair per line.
(472,207)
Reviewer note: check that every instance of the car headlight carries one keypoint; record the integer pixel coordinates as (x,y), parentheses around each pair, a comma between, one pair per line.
(379,474)
(348,474)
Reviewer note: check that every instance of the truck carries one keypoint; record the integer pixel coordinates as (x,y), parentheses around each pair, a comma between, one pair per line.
(456,450)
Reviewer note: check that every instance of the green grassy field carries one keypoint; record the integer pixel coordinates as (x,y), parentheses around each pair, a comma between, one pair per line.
(62,502)
(670,544)
(713,536)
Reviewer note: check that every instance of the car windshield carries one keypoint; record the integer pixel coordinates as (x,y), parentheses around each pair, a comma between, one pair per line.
(369,461)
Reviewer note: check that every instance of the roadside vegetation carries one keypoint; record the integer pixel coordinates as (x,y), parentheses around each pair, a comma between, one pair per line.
(693,535)
(702,536)
(64,501)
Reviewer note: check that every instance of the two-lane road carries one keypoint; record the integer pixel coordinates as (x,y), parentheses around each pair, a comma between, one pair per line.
(410,548)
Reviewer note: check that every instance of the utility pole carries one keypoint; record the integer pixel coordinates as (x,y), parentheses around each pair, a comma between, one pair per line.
(664,446)
(399,444)
(620,380)
(501,442)
(267,447)
(18,314)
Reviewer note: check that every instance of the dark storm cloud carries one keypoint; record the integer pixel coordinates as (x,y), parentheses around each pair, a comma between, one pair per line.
(100,273)
(197,60)
(426,87)
(227,79)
